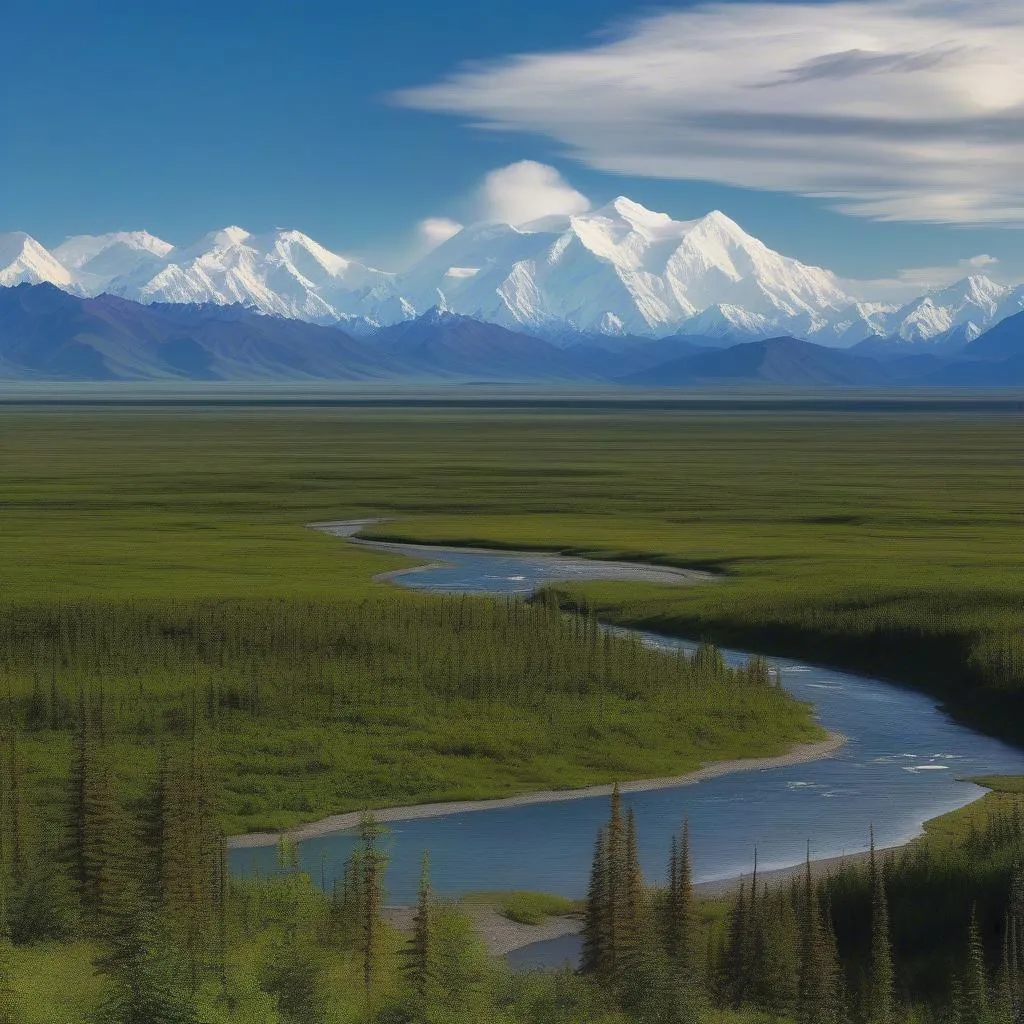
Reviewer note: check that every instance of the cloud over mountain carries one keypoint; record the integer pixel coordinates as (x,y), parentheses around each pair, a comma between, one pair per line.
(891,109)
(526,191)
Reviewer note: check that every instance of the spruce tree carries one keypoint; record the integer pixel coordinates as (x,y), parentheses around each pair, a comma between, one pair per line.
(777,982)
(817,999)
(681,913)
(16,811)
(190,886)
(106,882)
(595,955)
(616,888)
(879,1002)
(974,987)
(734,966)
(420,948)
(147,984)
(633,889)
(671,895)
(1012,973)
(373,862)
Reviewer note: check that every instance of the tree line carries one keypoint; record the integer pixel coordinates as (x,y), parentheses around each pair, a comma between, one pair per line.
(815,950)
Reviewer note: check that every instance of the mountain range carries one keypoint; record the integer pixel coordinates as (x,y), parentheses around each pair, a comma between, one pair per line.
(47,333)
(614,277)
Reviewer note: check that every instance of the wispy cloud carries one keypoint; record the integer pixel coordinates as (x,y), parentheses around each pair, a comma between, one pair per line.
(434,230)
(890,109)
(914,281)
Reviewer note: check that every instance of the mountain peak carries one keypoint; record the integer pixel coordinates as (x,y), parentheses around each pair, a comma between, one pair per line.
(231,235)
(77,251)
(628,209)
(24,261)
(718,223)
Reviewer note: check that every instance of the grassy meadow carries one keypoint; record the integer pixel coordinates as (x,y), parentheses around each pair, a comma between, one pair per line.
(883,539)
(180,656)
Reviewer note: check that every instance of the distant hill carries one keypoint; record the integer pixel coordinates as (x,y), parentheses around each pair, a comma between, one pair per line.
(978,373)
(1004,340)
(783,361)
(48,333)
(446,344)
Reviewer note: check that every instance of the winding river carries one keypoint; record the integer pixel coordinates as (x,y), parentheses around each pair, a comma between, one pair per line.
(904,762)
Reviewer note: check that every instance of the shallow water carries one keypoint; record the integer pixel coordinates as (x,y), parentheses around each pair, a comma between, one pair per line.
(904,763)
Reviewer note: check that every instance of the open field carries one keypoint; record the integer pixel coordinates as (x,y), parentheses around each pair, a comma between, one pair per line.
(870,536)
(169,626)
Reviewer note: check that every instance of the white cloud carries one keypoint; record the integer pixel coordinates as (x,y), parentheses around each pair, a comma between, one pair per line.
(891,109)
(526,191)
(914,281)
(980,262)
(435,230)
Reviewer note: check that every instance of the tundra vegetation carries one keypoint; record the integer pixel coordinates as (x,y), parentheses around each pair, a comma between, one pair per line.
(181,660)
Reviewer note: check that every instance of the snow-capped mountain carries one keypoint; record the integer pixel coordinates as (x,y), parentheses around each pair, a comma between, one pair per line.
(24,261)
(284,273)
(98,260)
(971,304)
(621,271)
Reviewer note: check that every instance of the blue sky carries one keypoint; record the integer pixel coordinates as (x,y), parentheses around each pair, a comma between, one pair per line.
(183,117)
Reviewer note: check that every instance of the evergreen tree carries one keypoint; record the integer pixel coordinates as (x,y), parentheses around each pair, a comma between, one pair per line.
(879,1002)
(372,898)
(147,985)
(734,966)
(776,986)
(633,889)
(295,975)
(974,987)
(595,958)
(101,852)
(459,971)
(16,811)
(190,887)
(420,950)
(681,925)
(616,900)
(817,998)
(1011,981)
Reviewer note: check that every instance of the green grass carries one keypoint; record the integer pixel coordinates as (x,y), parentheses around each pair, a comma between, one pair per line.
(1001,783)
(886,541)
(55,983)
(882,540)
(527,907)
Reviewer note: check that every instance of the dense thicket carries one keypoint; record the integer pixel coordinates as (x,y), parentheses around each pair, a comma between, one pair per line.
(930,934)
(313,701)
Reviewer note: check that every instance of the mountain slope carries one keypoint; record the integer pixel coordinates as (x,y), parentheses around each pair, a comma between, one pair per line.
(782,361)
(619,269)
(47,333)
(24,261)
(622,272)
(98,260)
(285,273)
(1004,340)
(978,373)
(446,344)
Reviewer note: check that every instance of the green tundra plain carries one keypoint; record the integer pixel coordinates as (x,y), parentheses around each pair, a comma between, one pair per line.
(884,539)
(182,658)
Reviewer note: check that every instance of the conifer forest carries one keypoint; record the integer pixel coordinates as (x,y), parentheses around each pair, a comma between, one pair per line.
(183,662)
